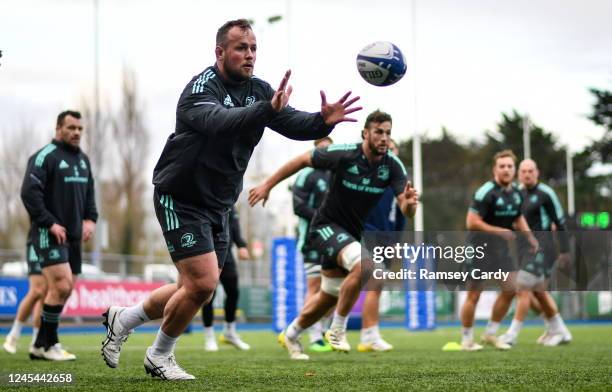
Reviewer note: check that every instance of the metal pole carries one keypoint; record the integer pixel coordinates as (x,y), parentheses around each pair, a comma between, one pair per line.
(526,138)
(417,162)
(101,226)
(571,202)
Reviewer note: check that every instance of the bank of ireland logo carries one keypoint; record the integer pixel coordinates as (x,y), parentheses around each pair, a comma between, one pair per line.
(365,181)
(54,254)
(383,173)
(250,100)
(76,171)
(188,240)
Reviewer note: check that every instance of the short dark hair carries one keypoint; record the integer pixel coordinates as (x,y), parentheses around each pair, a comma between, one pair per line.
(377,116)
(64,114)
(244,24)
(504,154)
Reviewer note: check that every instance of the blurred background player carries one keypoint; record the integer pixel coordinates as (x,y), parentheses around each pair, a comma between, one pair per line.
(495,211)
(30,304)
(386,216)
(229,280)
(361,173)
(542,209)
(58,193)
(221,115)
(309,190)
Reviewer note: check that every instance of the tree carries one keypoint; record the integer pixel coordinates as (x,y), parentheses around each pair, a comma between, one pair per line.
(123,200)
(602,115)
(447,175)
(14,153)
(95,144)
(545,150)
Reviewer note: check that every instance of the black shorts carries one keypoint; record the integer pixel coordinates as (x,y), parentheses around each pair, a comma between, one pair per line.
(328,239)
(49,252)
(34,262)
(312,261)
(190,230)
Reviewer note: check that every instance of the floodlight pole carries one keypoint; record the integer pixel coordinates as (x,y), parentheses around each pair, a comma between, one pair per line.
(571,202)
(417,162)
(526,138)
(101,227)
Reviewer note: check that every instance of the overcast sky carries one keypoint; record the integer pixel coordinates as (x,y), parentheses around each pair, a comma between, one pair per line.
(473,60)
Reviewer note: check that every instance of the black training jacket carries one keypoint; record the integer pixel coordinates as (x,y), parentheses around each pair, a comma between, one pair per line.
(59,188)
(218,124)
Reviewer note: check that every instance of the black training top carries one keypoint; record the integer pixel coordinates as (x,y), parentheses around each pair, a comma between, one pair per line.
(541,207)
(497,206)
(59,188)
(218,124)
(356,184)
(308,192)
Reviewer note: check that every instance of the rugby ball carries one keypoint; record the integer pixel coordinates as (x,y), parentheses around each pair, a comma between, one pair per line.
(381,63)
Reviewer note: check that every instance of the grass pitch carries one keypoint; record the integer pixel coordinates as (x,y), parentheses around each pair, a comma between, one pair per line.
(417,363)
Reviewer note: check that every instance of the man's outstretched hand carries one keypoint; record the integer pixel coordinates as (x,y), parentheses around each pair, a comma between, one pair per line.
(260,192)
(282,94)
(334,113)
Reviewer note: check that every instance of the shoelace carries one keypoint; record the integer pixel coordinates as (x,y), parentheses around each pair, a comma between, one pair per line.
(176,368)
(114,338)
(336,336)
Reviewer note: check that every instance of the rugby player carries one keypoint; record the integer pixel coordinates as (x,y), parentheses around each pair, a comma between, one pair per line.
(221,116)
(542,209)
(496,211)
(309,189)
(361,173)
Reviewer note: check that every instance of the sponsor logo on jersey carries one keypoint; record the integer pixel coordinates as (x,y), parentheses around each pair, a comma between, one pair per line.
(533,198)
(76,177)
(188,240)
(83,165)
(365,181)
(63,165)
(500,202)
